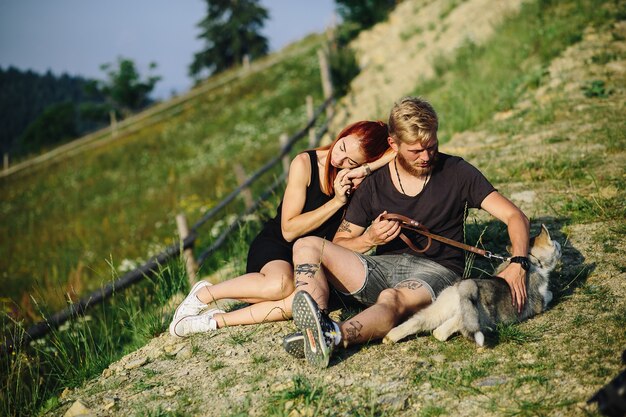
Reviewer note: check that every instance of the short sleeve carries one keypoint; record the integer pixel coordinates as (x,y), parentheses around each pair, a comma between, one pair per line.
(360,205)
(474,186)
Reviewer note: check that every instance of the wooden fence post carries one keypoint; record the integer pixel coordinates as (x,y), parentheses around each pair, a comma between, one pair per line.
(310,113)
(190,262)
(241,178)
(327,85)
(113,119)
(5,162)
(284,138)
(245,62)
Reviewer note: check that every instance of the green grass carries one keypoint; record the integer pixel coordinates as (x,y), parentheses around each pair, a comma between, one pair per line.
(512,62)
(119,202)
(35,374)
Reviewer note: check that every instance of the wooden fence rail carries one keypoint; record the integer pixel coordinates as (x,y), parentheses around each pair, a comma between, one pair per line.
(151,267)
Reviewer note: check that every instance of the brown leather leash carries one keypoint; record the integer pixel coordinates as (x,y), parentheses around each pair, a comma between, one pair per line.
(414,225)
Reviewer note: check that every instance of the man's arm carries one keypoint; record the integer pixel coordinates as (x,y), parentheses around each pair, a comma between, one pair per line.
(518,227)
(359,239)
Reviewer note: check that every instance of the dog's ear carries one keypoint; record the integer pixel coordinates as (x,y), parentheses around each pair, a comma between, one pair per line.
(543,238)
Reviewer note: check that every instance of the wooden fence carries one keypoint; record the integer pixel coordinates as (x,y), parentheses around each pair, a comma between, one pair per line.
(151,267)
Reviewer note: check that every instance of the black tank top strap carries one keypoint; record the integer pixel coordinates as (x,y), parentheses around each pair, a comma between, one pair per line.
(315,172)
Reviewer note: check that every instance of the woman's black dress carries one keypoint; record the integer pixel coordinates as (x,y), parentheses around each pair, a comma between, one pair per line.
(270,245)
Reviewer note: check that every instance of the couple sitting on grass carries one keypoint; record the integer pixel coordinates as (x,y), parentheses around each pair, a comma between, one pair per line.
(316,244)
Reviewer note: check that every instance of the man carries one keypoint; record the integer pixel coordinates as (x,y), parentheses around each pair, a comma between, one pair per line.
(422,184)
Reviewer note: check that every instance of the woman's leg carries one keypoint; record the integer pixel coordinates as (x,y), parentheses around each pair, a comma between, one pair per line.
(273,283)
(262,312)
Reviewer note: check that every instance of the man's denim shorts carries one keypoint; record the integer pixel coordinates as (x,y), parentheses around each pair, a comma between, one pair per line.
(389,271)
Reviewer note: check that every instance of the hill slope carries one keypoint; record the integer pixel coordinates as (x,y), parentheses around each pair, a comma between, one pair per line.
(557,151)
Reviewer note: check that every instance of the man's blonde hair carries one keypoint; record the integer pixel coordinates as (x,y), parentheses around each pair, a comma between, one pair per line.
(413,120)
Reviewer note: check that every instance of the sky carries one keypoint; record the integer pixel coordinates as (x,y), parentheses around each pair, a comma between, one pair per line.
(78,36)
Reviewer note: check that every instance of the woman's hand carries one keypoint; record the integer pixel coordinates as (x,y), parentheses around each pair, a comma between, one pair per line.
(341,185)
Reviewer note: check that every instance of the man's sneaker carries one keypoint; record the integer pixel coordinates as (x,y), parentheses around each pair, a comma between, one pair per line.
(195,324)
(321,334)
(293,344)
(191,306)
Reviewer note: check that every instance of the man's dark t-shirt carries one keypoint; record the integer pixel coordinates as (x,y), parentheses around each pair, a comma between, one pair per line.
(440,207)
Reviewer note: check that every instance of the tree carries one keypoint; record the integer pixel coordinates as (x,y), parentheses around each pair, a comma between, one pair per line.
(56,124)
(230,31)
(361,14)
(124,89)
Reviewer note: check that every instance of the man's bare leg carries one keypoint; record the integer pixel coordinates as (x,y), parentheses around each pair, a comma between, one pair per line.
(393,306)
(317,260)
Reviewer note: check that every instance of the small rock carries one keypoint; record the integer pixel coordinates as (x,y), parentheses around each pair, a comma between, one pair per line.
(524,196)
(172,391)
(66,393)
(438,358)
(109,402)
(174,349)
(78,409)
(136,363)
(184,353)
(491,381)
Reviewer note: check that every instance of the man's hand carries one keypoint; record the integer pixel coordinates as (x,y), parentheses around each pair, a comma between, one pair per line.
(383,231)
(515,276)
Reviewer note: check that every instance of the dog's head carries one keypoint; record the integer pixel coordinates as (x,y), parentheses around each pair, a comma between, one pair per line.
(545,253)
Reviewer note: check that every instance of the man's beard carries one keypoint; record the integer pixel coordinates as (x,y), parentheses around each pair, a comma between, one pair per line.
(413,170)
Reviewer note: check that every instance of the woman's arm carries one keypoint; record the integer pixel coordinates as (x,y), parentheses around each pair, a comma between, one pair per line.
(294,223)
(356,175)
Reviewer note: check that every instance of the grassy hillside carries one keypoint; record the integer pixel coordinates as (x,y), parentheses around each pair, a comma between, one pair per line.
(116,204)
(540,108)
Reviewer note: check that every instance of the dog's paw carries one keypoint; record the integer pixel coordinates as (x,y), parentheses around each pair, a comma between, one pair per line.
(440,335)
(479,337)
(388,340)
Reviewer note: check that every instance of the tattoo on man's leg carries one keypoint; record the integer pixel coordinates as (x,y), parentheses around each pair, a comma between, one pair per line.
(411,285)
(353,331)
(308,270)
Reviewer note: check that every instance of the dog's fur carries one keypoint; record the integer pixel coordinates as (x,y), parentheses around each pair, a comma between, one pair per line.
(472,306)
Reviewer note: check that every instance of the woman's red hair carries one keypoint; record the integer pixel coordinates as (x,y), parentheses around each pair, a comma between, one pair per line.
(373,143)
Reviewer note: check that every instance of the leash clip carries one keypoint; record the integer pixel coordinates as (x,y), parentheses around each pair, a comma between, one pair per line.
(490,255)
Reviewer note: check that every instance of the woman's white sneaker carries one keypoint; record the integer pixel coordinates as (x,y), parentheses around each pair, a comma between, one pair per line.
(191,306)
(195,324)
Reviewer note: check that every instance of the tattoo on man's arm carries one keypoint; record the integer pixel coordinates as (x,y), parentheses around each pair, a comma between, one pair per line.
(353,331)
(308,270)
(411,285)
(344,227)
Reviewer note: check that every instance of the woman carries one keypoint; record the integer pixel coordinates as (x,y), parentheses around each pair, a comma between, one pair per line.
(317,190)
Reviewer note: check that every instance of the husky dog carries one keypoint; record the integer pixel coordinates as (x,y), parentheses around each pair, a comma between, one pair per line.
(472,305)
